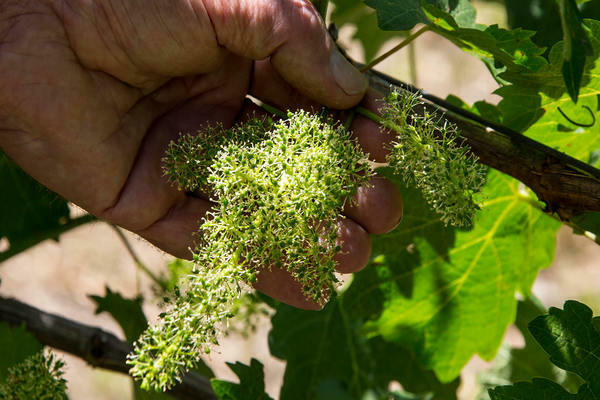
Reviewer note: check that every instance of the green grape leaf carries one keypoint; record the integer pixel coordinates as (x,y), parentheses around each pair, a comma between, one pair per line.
(537,16)
(16,345)
(251,386)
(328,357)
(404,15)
(486,110)
(204,370)
(521,363)
(368,34)
(141,394)
(576,46)
(537,389)
(398,15)
(451,294)
(543,18)
(587,222)
(571,339)
(321,7)
(500,49)
(538,103)
(453,12)
(28,209)
(127,312)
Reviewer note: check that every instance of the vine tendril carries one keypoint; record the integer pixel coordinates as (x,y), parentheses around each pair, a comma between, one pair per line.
(589,125)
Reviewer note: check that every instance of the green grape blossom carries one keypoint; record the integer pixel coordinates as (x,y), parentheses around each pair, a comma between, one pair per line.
(279,189)
(427,154)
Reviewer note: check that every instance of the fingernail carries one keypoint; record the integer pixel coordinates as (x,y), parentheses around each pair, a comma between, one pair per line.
(347,77)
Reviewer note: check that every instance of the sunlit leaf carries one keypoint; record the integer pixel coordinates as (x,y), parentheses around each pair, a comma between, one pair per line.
(450,294)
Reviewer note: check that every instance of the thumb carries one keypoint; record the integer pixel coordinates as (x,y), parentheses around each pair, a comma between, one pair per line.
(293,35)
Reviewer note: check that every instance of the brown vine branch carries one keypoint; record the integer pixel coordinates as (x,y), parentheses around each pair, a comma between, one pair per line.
(566,185)
(96,346)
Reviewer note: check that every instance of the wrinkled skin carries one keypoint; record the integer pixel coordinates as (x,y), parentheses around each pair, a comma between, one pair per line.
(92,91)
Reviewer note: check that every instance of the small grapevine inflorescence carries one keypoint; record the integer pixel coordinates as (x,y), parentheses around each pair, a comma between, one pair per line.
(278,189)
(37,377)
(427,154)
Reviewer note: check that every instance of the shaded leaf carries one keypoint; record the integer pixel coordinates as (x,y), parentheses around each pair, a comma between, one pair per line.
(28,208)
(327,355)
(589,222)
(127,312)
(141,394)
(204,370)
(576,46)
(570,337)
(16,345)
(500,49)
(542,17)
(398,15)
(486,110)
(369,35)
(250,387)
(519,364)
(535,15)
(404,15)
(321,7)
(538,389)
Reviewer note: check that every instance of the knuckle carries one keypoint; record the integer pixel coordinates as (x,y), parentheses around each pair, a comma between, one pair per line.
(258,28)
(248,28)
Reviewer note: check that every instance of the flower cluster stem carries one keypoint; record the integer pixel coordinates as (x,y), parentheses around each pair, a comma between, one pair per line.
(272,110)
(137,260)
(369,114)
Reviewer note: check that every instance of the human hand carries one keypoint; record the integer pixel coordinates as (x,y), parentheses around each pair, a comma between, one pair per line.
(93,91)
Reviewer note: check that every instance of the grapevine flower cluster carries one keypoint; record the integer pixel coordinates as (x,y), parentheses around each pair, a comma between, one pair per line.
(37,377)
(278,189)
(427,154)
